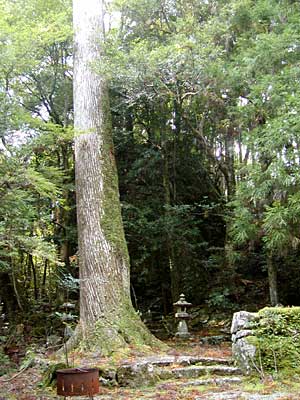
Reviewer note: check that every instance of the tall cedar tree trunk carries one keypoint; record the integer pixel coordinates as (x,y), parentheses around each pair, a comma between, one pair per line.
(107,318)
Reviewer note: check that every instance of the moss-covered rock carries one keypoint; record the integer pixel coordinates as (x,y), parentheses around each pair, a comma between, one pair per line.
(137,375)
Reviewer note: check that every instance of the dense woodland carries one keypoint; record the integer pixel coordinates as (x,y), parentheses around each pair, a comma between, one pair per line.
(204,97)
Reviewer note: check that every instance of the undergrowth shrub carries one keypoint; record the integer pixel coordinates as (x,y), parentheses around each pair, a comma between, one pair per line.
(277,339)
(5,364)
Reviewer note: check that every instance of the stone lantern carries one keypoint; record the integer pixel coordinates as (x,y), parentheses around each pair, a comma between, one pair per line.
(182,316)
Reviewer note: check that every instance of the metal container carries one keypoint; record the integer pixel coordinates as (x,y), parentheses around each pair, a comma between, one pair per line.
(77,381)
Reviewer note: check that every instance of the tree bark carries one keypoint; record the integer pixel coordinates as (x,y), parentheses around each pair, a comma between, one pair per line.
(33,269)
(173,268)
(107,317)
(229,160)
(272,277)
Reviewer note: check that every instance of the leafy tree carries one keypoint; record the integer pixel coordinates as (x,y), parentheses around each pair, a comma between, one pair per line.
(266,205)
(36,157)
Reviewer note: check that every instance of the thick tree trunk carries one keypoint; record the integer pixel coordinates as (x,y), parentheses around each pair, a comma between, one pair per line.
(107,317)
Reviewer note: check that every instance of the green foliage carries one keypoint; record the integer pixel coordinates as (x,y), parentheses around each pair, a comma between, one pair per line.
(243,227)
(19,214)
(219,299)
(264,215)
(35,50)
(166,74)
(67,281)
(36,154)
(50,375)
(277,339)
(5,363)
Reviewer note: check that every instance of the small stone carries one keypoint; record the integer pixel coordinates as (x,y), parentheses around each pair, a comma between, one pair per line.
(214,340)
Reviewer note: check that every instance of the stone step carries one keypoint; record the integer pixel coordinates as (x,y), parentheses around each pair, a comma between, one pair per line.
(180,360)
(190,360)
(203,382)
(196,371)
(149,371)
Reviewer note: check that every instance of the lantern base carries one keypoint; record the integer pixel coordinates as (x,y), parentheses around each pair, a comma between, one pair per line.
(182,330)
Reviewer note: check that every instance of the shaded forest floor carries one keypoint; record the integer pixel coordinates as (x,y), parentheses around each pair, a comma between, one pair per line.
(27,385)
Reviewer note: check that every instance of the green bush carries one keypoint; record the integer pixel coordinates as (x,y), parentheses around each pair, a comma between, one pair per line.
(277,338)
(5,363)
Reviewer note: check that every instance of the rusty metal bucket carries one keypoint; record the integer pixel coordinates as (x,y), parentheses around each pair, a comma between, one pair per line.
(77,381)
